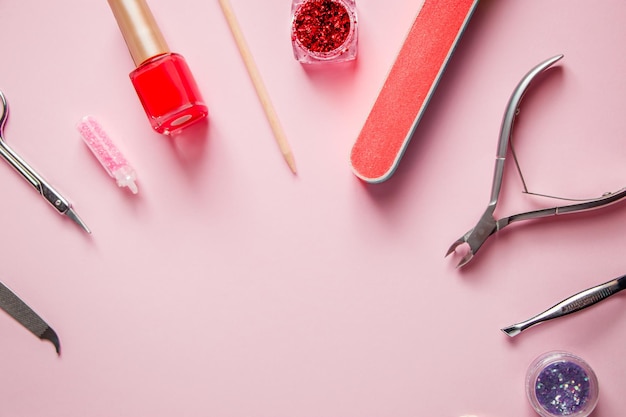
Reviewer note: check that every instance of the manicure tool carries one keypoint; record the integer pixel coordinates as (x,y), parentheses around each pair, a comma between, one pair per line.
(24,315)
(488,225)
(259,87)
(51,195)
(408,88)
(571,305)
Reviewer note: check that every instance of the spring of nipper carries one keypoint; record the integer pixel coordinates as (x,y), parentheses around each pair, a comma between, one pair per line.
(487,224)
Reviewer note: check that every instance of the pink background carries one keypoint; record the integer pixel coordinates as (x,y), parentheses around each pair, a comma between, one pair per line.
(229,287)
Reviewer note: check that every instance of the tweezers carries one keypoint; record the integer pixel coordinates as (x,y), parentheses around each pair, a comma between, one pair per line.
(488,225)
(51,195)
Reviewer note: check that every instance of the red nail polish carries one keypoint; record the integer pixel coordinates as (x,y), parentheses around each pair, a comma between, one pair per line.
(163,81)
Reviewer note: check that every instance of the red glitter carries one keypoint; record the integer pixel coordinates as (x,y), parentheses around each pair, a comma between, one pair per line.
(321,26)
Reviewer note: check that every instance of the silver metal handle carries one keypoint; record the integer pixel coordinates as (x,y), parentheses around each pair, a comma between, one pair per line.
(571,305)
(512,110)
(605,200)
(51,195)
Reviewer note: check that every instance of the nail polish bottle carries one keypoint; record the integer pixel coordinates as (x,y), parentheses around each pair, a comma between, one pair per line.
(162,79)
(324,30)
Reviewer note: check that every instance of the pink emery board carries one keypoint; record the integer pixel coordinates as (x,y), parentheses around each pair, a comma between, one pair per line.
(408,88)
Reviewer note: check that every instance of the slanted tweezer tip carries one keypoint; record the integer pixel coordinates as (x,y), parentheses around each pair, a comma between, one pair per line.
(72,215)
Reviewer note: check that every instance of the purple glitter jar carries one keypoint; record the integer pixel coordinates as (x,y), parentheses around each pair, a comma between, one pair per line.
(561,384)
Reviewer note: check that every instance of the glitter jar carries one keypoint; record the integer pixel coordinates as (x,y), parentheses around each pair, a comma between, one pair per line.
(561,384)
(324,30)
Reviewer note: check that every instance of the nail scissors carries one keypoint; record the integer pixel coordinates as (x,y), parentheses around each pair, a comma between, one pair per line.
(51,195)
(488,225)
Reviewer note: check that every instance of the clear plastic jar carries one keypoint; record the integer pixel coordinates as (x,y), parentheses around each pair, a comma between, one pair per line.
(561,384)
(324,30)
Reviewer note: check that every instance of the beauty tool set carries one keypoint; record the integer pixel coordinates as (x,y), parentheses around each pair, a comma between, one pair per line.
(326,32)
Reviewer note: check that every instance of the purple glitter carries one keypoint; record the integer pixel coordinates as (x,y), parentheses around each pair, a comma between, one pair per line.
(562,388)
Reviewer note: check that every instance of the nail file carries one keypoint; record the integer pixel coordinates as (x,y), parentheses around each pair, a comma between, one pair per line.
(408,88)
(25,315)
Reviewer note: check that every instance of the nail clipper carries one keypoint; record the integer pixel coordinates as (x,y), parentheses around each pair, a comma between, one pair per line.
(488,225)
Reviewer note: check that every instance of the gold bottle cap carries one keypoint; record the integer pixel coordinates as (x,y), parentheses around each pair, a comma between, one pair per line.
(141,33)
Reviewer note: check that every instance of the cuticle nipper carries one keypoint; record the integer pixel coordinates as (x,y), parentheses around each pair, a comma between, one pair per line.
(488,225)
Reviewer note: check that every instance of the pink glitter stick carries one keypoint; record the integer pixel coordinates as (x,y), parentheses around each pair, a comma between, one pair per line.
(107,153)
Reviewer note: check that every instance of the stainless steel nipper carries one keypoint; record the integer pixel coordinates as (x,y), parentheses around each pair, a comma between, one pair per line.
(488,225)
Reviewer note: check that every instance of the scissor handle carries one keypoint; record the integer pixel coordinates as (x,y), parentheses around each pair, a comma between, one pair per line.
(512,109)
(9,154)
(37,181)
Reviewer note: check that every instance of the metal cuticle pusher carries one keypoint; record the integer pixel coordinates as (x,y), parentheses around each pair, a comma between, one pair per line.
(571,305)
